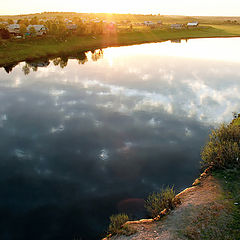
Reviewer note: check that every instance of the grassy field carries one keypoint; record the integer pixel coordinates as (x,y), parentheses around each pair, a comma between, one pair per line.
(18,50)
(230,182)
(219,219)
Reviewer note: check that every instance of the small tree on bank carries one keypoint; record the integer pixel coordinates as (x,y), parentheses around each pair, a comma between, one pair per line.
(223,148)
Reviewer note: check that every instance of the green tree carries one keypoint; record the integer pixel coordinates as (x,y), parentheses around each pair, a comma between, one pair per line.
(32,31)
(23,29)
(10,21)
(97,28)
(25,21)
(81,28)
(26,69)
(59,18)
(56,61)
(97,54)
(63,62)
(82,58)
(34,21)
(61,30)
(53,28)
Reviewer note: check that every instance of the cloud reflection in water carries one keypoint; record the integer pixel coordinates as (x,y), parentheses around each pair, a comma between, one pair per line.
(80,140)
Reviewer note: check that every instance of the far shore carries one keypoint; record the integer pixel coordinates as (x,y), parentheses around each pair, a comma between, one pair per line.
(18,50)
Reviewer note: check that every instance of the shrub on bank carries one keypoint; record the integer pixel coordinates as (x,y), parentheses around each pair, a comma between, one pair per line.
(223,148)
(157,202)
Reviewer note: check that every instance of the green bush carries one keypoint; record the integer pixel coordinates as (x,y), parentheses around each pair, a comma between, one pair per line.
(222,150)
(157,202)
(116,223)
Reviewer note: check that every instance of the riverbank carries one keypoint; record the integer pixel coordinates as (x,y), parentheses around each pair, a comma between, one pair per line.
(13,51)
(208,210)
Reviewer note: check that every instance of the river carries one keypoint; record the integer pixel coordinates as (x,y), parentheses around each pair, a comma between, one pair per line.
(90,135)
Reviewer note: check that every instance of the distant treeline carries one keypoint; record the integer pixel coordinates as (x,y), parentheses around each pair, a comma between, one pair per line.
(134,17)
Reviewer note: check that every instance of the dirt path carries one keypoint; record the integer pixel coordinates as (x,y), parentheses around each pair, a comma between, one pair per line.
(198,205)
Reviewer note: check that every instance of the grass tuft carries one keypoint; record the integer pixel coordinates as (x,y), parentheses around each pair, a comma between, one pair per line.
(157,202)
(117,227)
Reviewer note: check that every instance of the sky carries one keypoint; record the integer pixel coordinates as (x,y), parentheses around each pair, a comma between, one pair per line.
(171,7)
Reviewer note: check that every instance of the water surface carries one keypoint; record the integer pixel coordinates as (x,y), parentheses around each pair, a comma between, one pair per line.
(86,136)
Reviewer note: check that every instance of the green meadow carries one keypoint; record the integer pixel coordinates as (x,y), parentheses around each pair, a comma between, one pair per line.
(16,50)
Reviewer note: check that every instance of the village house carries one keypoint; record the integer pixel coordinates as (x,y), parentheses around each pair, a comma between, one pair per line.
(148,23)
(192,24)
(43,20)
(14,29)
(67,21)
(176,26)
(39,29)
(71,27)
(4,23)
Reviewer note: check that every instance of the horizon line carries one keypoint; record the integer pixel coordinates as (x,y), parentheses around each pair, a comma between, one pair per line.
(154,14)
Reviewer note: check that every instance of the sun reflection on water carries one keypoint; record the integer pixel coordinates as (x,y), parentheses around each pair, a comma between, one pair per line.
(194,48)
